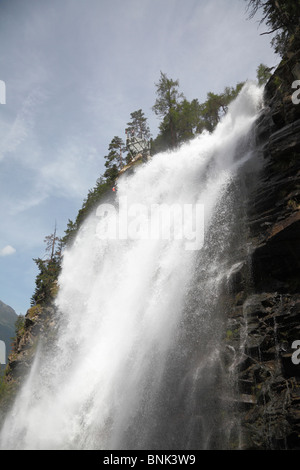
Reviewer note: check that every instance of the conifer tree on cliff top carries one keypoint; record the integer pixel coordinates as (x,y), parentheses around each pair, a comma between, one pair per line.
(281,17)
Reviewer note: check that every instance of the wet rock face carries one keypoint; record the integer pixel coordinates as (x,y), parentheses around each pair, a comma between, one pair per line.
(39,328)
(271,378)
(265,318)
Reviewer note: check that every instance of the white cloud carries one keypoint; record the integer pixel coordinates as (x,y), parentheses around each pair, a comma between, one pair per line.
(7,250)
(70,173)
(22,127)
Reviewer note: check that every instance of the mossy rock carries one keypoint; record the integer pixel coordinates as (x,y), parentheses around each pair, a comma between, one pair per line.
(34,312)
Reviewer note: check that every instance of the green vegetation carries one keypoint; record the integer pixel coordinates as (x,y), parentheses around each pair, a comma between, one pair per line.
(166,107)
(49,269)
(181,119)
(263,74)
(138,129)
(20,325)
(4,388)
(281,17)
(114,160)
(102,187)
(138,125)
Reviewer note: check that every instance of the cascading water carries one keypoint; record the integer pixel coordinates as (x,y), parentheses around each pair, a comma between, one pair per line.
(135,358)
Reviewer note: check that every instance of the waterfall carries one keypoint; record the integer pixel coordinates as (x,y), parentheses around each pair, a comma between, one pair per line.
(134,361)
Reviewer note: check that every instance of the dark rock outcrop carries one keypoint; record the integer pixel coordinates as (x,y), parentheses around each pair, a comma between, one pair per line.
(265,317)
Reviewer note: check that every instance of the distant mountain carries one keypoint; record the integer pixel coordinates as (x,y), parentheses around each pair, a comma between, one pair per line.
(8,319)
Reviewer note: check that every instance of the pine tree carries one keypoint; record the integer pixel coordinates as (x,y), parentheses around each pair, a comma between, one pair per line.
(166,106)
(281,17)
(49,270)
(51,242)
(114,159)
(70,232)
(138,125)
(263,73)
(189,116)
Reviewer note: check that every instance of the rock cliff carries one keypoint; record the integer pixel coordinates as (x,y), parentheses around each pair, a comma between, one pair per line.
(264,320)
(38,329)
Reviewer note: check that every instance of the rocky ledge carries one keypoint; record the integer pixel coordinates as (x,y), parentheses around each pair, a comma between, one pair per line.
(38,329)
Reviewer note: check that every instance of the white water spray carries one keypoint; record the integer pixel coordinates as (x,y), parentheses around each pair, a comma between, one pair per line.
(139,321)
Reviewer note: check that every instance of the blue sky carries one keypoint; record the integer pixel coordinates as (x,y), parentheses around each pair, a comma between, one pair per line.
(74,71)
